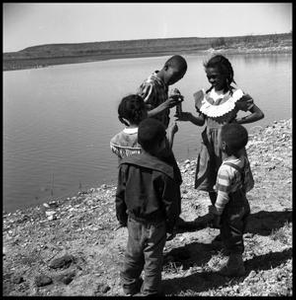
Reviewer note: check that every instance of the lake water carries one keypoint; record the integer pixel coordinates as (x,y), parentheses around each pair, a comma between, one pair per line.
(58,121)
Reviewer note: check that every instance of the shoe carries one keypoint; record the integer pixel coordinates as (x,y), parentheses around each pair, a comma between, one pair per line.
(136,288)
(234,266)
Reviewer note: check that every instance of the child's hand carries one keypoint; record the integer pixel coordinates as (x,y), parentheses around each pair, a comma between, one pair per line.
(244,102)
(184,116)
(170,102)
(173,128)
(170,236)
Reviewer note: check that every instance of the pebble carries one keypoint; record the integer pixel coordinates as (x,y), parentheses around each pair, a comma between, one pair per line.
(42,280)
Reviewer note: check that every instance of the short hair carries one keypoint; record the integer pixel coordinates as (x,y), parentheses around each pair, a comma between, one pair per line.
(131,108)
(177,61)
(235,136)
(150,133)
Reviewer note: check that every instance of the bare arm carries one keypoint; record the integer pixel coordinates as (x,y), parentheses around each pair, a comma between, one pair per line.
(171,133)
(256,115)
(187,116)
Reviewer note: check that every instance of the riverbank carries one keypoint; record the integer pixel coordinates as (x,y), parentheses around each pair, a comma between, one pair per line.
(47,62)
(56,54)
(70,248)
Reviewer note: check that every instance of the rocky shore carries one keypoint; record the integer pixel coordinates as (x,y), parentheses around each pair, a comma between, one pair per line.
(71,247)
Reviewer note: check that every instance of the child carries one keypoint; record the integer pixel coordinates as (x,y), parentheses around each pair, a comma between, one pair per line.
(231,208)
(217,106)
(131,111)
(154,90)
(147,202)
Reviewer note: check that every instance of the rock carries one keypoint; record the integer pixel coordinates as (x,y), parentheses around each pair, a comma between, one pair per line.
(62,262)
(17,279)
(50,213)
(102,288)
(42,280)
(252,274)
(66,278)
(53,204)
(52,217)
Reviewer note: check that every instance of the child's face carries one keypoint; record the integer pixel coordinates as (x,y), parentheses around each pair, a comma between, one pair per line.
(216,78)
(174,74)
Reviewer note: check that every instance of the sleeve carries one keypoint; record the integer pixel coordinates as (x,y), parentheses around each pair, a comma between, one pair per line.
(146,91)
(171,198)
(198,96)
(245,103)
(223,185)
(121,208)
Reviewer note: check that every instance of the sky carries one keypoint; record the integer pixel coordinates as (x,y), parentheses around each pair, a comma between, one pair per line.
(31,24)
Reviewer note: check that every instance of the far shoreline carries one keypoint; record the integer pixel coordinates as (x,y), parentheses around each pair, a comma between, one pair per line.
(25,64)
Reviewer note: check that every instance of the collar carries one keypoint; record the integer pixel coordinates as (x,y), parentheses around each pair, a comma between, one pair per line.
(154,77)
(150,162)
(128,130)
(218,107)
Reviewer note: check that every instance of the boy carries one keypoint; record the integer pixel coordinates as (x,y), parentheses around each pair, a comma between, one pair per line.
(147,202)
(231,208)
(154,90)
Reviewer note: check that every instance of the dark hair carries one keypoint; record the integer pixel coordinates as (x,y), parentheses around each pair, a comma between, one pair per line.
(131,108)
(224,66)
(150,133)
(235,136)
(177,61)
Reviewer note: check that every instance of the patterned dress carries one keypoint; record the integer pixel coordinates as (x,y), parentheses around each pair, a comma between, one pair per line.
(218,109)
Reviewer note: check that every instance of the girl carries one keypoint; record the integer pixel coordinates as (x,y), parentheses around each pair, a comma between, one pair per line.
(217,106)
(131,111)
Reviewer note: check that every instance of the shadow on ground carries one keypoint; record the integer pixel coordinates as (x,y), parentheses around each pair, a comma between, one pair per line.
(204,281)
(262,222)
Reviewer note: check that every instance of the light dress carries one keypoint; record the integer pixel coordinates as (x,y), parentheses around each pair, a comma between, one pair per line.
(218,109)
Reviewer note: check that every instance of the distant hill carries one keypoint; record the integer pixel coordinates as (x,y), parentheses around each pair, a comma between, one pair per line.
(50,54)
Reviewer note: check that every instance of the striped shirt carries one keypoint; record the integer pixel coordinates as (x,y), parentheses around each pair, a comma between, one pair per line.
(154,92)
(228,181)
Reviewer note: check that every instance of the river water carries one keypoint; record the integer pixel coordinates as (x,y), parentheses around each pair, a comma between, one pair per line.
(58,121)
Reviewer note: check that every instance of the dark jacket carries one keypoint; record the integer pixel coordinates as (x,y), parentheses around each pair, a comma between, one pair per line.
(147,191)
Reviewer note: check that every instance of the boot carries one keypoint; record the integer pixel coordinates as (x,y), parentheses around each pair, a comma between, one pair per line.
(234,267)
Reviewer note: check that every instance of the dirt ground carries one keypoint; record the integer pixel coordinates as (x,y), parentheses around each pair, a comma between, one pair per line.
(69,247)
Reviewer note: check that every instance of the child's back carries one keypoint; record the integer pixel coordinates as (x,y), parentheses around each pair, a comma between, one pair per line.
(147,202)
(131,111)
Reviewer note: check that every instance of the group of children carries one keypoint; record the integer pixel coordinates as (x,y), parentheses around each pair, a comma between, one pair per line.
(148,197)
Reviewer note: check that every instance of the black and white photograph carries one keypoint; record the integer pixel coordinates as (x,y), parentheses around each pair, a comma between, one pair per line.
(147,149)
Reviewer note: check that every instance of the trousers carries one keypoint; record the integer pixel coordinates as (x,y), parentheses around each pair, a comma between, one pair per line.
(144,252)
(233,222)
